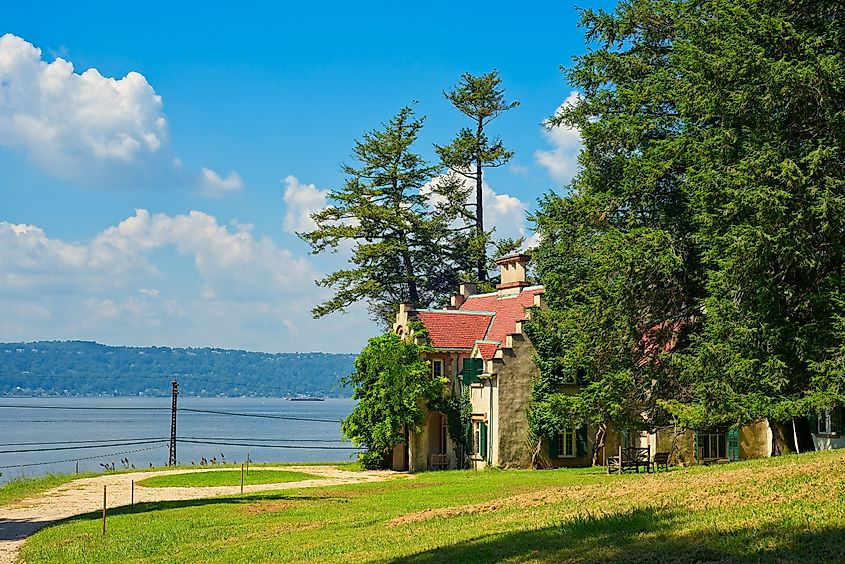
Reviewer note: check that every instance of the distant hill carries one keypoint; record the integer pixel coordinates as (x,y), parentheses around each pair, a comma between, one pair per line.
(81,368)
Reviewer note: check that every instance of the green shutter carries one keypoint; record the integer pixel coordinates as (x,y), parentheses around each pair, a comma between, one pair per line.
(581,440)
(813,420)
(472,368)
(554,440)
(479,368)
(695,447)
(482,443)
(733,444)
(838,423)
(468,438)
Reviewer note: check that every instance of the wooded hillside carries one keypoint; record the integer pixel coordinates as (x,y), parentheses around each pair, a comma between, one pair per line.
(74,368)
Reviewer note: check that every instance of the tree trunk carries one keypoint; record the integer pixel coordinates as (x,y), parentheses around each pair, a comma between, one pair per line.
(535,456)
(479,203)
(601,431)
(413,294)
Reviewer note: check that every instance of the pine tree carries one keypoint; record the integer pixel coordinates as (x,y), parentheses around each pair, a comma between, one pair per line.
(482,100)
(697,264)
(396,237)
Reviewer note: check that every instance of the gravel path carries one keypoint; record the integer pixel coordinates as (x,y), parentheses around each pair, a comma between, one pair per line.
(22,518)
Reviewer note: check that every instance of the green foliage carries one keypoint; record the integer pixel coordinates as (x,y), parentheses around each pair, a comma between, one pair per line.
(393,388)
(458,411)
(696,266)
(482,100)
(396,237)
(78,368)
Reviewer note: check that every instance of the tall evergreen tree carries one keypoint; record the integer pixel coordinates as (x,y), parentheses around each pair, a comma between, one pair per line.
(481,99)
(697,264)
(396,237)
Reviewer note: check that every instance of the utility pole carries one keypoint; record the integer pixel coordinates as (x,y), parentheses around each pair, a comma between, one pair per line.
(174,394)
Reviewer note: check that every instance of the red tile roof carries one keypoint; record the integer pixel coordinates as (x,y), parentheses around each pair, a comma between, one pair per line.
(487,349)
(486,317)
(508,310)
(455,329)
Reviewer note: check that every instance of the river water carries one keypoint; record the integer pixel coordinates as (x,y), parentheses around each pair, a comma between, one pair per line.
(43,435)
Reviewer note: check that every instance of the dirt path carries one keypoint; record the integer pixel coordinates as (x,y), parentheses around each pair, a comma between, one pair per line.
(22,518)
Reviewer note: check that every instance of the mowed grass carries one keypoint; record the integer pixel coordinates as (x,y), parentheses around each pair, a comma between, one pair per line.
(790,508)
(225,478)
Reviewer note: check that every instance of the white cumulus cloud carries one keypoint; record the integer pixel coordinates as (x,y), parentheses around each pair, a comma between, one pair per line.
(561,162)
(65,121)
(504,212)
(181,279)
(215,186)
(88,127)
(301,200)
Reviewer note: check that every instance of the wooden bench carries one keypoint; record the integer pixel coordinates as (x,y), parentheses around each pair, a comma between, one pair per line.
(661,459)
(630,458)
(439,462)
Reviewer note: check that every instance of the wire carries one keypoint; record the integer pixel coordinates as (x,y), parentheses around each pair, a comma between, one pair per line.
(109,445)
(183,409)
(86,408)
(70,420)
(91,441)
(264,416)
(83,458)
(263,439)
(270,446)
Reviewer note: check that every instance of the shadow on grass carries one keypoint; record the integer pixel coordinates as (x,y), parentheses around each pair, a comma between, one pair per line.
(645,535)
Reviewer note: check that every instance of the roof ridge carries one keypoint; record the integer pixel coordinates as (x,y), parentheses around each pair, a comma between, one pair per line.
(463,311)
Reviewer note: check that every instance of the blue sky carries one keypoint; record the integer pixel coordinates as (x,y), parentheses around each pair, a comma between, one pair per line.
(151,201)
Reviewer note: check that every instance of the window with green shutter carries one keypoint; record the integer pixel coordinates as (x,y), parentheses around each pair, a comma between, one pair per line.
(563,445)
(483,442)
(554,442)
(471,370)
(733,444)
(581,440)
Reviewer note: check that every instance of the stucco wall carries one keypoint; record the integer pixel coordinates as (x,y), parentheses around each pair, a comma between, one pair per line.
(755,440)
(822,442)
(515,375)
(678,442)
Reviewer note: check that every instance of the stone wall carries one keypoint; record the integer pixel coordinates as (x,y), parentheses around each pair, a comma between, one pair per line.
(755,440)
(516,372)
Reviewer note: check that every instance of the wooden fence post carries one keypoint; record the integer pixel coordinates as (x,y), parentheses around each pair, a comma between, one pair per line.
(242,478)
(104,509)
(132,498)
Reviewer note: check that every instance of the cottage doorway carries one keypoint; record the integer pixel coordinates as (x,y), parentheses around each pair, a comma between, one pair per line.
(436,427)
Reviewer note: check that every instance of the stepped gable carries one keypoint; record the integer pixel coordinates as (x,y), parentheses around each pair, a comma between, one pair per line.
(487,349)
(455,329)
(508,309)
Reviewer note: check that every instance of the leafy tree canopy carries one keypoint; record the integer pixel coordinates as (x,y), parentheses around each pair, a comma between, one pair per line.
(695,269)
(393,388)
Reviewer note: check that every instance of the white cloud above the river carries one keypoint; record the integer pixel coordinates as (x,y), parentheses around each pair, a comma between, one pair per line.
(180,280)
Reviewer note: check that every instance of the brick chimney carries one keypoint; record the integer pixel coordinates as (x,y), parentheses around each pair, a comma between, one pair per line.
(405,314)
(512,273)
(465,290)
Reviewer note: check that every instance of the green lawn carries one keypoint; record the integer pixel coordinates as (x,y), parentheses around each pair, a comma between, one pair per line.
(225,478)
(790,508)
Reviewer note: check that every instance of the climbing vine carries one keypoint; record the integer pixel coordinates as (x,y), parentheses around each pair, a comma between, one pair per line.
(458,411)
